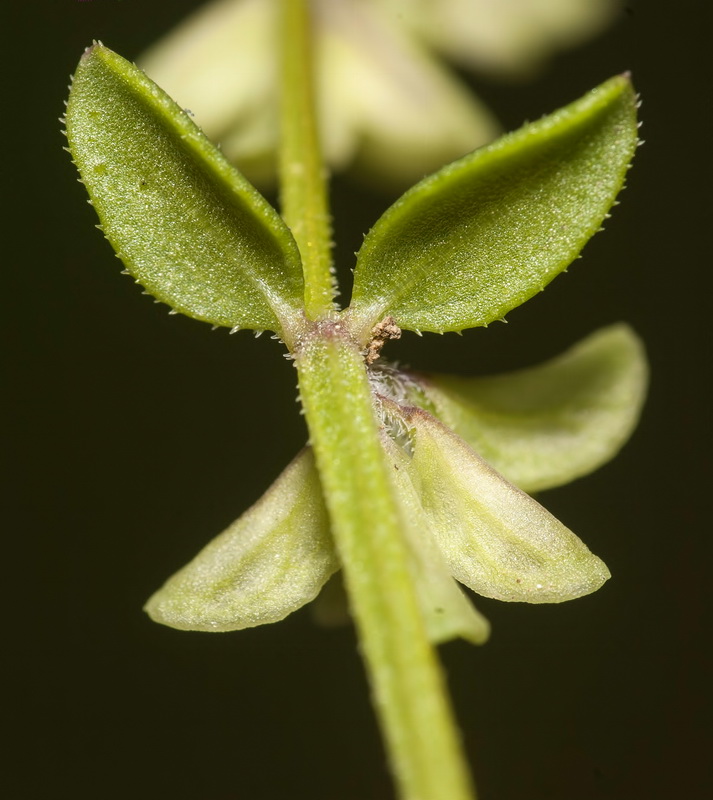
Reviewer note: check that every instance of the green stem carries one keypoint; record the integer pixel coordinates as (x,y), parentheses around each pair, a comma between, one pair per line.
(411,702)
(409,692)
(303,187)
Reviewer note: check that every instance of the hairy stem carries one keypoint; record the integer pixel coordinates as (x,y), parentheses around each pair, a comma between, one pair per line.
(408,687)
(303,185)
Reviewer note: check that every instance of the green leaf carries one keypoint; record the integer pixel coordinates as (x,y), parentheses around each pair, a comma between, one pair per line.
(547,425)
(496,539)
(448,613)
(189,228)
(267,564)
(486,233)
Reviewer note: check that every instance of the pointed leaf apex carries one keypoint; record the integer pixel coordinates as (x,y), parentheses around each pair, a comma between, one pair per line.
(275,558)
(495,538)
(484,234)
(190,227)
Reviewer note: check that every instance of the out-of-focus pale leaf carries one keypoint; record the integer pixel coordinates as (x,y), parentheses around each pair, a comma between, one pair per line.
(220,62)
(390,107)
(387,107)
(448,613)
(267,564)
(486,233)
(496,539)
(547,425)
(189,228)
(504,37)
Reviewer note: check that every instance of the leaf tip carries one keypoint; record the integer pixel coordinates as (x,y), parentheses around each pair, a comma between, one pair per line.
(96,45)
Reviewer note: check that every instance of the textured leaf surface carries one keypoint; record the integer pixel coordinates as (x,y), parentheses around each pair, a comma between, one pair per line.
(266,565)
(486,233)
(447,611)
(496,539)
(189,228)
(544,426)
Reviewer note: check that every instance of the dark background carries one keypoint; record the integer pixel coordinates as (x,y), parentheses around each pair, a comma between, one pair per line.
(135,437)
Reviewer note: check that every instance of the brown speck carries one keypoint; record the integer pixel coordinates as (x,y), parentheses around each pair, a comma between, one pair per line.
(386,329)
